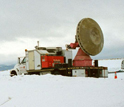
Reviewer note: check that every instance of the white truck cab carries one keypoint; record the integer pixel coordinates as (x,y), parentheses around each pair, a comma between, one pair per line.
(19,68)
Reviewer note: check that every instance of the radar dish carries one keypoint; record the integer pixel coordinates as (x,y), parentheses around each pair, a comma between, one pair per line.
(89,36)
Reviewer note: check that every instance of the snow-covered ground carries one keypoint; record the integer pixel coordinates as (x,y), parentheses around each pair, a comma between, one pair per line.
(59,91)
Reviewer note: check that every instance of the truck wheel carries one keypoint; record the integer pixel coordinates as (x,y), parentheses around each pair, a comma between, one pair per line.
(13,73)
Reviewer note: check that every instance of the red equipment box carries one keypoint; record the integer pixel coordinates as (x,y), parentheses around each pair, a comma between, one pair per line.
(50,61)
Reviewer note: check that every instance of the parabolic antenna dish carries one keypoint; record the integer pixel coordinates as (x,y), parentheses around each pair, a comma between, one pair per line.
(89,36)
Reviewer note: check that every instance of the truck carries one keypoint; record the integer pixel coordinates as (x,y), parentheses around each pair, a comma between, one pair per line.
(58,61)
(122,64)
(54,60)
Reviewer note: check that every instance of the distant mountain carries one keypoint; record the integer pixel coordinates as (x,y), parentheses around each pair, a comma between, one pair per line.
(6,67)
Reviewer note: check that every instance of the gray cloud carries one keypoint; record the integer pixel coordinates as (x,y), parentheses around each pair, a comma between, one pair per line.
(55,21)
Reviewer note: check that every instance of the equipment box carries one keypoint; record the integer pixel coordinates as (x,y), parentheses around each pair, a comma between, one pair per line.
(78,73)
(50,61)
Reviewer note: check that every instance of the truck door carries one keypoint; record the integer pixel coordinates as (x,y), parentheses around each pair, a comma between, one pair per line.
(22,67)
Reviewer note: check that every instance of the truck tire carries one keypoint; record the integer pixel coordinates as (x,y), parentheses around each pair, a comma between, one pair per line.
(13,73)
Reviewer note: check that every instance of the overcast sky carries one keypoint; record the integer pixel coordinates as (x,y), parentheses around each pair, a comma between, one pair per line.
(54,22)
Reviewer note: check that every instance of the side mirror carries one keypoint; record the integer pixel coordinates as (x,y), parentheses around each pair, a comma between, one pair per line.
(18,60)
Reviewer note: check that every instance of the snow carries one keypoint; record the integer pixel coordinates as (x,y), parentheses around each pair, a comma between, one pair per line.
(61,91)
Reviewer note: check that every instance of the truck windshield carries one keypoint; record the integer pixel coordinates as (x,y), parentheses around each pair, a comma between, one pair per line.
(24,60)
